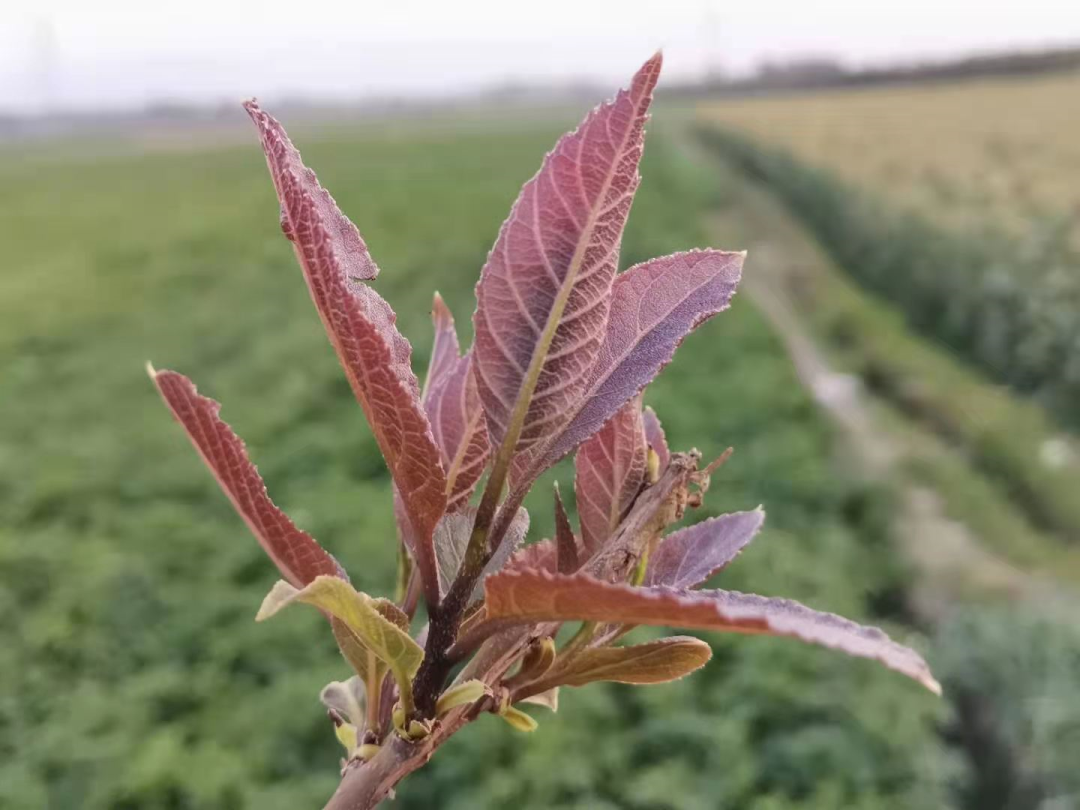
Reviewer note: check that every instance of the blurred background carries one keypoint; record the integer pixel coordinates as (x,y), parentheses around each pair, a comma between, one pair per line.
(899,377)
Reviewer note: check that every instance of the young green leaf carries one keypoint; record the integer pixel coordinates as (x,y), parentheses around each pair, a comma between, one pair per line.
(688,557)
(609,471)
(360,613)
(296,554)
(460,694)
(654,306)
(537,596)
(666,659)
(360,325)
(543,295)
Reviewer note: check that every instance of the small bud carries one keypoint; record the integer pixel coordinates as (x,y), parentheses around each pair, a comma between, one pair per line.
(367,751)
(346,734)
(652,467)
(518,719)
(460,695)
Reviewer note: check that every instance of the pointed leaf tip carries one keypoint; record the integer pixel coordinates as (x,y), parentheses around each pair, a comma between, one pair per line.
(361,326)
(539,596)
(688,557)
(544,292)
(298,557)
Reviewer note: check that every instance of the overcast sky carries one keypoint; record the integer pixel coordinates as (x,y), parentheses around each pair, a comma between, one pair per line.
(115,53)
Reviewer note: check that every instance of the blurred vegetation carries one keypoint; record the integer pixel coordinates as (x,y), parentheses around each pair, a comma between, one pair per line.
(1010,665)
(1012,674)
(982,298)
(133,675)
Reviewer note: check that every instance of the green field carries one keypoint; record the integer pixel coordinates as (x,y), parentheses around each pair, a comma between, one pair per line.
(133,675)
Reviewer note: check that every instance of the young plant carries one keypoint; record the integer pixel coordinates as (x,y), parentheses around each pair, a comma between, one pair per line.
(564,347)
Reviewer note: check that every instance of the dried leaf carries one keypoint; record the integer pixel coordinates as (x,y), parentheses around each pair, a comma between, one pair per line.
(654,306)
(361,327)
(549,699)
(666,659)
(688,557)
(654,435)
(452,538)
(360,613)
(536,596)
(543,296)
(296,554)
(609,471)
(565,542)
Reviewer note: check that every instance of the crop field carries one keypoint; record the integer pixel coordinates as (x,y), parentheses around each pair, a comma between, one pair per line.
(927,237)
(133,675)
(958,204)
(979,155)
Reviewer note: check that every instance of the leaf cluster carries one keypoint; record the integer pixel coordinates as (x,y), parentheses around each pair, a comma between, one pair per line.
(564,346)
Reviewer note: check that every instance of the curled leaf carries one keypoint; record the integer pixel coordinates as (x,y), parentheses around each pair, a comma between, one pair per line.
(361,614)
(688,557)
(445,350)
(544,292)
(537,596)
(296,554)
(549,699)
(345,699)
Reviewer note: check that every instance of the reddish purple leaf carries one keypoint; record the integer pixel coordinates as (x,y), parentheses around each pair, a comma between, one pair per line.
(654,306)
(654,435)
(688,557)
(453,407)
(609,471)
(445,351)
(543,295)
(296,554)
(543,555)
(565,542)
(539,596)
(360,324)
